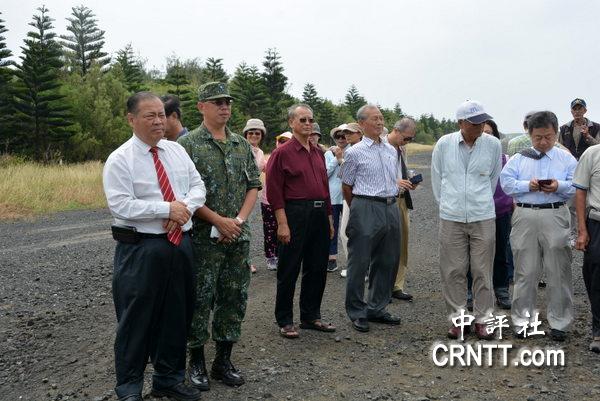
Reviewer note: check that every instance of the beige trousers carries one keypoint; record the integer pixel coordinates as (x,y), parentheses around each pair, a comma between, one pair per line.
(540,240)
(403,265)
(343,225)
(461,244)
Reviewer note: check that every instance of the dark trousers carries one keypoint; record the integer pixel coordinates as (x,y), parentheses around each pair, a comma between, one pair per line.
(309,246)
(336,212)
(154,293)
(591,273)
(374,246)
(269,230)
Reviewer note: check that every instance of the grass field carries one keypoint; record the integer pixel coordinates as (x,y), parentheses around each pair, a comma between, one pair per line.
(28,189)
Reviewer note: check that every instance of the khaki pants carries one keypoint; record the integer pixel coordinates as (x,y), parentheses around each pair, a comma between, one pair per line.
(343,225)
(462,244)
(540,240)
(403,265)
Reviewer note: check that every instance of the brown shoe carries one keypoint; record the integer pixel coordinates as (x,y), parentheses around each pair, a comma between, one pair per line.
(482,333)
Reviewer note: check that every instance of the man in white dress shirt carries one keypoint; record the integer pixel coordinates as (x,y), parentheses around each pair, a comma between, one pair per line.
(152,189)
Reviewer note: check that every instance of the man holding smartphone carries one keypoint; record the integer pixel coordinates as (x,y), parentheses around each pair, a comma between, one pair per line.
(404,132)
(539,179)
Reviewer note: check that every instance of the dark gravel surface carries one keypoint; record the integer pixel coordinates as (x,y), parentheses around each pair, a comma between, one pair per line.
(57,327)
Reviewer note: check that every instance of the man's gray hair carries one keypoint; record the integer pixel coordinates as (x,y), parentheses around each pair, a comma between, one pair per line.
(361,114)
(405,124)
(291,111)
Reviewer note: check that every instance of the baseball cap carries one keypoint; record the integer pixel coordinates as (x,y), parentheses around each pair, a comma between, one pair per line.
(213,90)
(578,101)
(316,129)
(354,127)
(473,112)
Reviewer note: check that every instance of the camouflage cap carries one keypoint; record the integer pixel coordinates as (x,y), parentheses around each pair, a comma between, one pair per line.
(213,90)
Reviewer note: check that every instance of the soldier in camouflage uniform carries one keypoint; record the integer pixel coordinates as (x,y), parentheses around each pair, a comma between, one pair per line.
(226,164)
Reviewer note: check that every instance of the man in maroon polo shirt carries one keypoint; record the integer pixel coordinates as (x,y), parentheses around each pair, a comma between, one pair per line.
(298,191)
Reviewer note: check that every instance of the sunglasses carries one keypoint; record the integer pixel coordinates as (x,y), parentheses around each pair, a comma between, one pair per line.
(408,138)
(282,140)
(220,102)
(305,120)
(258,133)
(339,137)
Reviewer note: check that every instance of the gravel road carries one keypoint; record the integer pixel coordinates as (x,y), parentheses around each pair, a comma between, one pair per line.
(57,328)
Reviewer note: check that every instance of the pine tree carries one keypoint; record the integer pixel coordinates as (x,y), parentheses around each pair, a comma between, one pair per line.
(180,87)
(84,44)
(275,83)
(354,101)
(130,69)
(6,99)
(42,113)
(213,71)
(249,92)
(311,97)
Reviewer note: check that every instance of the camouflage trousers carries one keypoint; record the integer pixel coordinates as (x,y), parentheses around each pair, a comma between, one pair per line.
(223,276)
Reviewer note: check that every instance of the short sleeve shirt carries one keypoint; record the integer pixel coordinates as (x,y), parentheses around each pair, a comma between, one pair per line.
(229,171)
(587,175)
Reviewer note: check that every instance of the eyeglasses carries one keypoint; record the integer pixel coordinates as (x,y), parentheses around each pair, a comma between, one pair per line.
(339,137)
(220,102)
(282,140)
(408,138)
(259,133)
(305,120)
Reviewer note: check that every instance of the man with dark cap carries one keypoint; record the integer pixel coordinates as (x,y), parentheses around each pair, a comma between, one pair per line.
(221,234)
(580,133)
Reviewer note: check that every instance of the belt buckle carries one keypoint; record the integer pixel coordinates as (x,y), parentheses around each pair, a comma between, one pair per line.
(318,203)
(389,201)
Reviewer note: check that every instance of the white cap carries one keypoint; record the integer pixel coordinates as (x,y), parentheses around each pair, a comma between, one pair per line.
(473,112)
(286,134)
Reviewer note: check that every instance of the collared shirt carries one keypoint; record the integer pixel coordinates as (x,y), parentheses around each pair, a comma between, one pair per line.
(371,168)
(132,190)
(557,164)
(229,171)
(465,193)
(333,173)
(587,176)
(183,132)
(294,173)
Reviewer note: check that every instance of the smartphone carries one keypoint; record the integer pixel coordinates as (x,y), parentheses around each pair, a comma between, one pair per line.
(545,182)
(415,179)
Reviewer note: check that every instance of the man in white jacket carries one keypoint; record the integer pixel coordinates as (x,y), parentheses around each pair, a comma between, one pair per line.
(464,172)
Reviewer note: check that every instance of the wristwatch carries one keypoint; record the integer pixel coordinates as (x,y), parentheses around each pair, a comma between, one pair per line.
(239,220)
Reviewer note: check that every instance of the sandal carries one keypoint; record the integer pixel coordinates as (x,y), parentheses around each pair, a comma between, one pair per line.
(288,331)
(318,326)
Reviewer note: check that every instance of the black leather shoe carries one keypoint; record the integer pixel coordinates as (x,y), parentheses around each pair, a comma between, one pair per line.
(399,294)
(222,368)
(503,303)
(197,370)
(387,318)
(558,335)
(179,392)
(361,324)
(134,397)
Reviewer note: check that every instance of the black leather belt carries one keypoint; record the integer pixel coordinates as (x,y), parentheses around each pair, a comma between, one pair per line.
(311,203)
(554,205)
(388,201)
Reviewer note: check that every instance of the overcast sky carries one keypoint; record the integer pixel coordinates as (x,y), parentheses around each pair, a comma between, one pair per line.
(426,55)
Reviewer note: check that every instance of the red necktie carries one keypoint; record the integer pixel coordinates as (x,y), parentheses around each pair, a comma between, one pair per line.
(167,191)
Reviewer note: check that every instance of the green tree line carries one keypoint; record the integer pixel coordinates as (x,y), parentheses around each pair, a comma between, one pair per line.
(64,99)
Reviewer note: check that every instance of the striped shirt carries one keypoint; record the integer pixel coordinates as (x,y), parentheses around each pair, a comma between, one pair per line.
(370,168)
